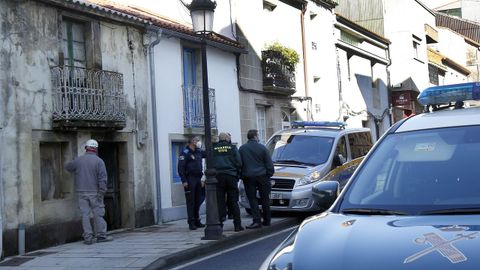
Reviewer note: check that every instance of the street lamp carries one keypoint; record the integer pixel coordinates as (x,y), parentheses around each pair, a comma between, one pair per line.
(201,12)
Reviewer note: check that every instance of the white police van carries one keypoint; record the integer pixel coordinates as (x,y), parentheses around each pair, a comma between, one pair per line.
(305,153)
(413,202)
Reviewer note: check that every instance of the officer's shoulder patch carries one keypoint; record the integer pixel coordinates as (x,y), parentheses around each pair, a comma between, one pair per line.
(185,151)
(181,157)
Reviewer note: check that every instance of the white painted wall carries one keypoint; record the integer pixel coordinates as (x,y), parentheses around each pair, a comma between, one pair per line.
(262,27)
(169,94)
(399,29)
(452,76)
(322,63)
(452,45)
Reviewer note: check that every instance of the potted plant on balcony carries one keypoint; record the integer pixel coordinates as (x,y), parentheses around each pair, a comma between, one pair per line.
(278,64)
(289,56)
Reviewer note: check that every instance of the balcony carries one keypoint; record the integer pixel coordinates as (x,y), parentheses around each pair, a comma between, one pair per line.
(277,77)
(193,107)
(87,99)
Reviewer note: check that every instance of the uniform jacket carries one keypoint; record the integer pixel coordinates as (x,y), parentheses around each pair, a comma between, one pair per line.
(190,163)
(226,158)
(90,173)
(256,160)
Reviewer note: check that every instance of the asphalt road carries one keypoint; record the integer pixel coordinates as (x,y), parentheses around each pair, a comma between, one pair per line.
(246,257)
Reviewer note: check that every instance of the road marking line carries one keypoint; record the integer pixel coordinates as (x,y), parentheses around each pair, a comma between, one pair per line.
(230,249)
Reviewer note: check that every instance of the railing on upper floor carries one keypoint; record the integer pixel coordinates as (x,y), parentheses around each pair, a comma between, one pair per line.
(87,98)
(193,107)
(276,75)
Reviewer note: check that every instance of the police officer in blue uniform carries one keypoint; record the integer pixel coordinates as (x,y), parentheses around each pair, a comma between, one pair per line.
(190,170)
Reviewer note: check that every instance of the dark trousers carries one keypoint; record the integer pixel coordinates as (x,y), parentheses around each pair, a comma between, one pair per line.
(228,185)
(262,183)
(193,196)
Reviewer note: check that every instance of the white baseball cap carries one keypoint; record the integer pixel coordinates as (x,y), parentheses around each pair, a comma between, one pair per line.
(91,143)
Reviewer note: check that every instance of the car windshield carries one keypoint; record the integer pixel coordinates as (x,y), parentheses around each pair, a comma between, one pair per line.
(433,171)
(300,149)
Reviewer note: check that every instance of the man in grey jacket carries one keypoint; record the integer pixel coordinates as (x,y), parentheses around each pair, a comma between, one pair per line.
(91,185)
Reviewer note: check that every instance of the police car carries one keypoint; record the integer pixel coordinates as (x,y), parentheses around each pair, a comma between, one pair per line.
(305,153)
(413,202)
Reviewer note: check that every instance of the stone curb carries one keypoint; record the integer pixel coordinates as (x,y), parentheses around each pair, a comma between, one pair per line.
(172,260)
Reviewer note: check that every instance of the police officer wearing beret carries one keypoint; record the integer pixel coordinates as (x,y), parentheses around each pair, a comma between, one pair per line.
(227,163)
(191,171)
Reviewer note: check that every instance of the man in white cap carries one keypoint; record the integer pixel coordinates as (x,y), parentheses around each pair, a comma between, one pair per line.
(91,185)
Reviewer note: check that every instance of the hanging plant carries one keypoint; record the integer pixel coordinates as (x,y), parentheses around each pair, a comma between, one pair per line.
(289,55)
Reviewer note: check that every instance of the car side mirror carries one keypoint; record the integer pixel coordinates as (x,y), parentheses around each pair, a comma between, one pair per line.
(325,193)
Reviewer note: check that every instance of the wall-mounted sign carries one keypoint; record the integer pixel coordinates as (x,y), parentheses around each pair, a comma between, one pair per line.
(402,100)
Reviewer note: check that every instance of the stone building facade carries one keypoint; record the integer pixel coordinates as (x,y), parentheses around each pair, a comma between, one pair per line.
(70,71)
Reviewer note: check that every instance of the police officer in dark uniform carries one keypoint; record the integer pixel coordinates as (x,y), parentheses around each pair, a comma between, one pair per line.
(227,163)
(190,170)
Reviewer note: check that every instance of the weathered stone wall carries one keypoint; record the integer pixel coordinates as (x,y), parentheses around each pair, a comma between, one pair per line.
(29,46)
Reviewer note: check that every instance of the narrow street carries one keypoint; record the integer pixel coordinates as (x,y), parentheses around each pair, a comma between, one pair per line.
(248,256)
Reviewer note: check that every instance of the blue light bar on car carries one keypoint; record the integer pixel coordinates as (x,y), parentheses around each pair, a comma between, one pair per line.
(450,93)
(297,124)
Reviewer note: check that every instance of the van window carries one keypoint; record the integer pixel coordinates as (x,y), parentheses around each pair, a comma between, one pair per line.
(300,149)
(360,143)
(340,156)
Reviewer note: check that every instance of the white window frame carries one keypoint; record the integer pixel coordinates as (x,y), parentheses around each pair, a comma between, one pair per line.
(288,123)
(261,119)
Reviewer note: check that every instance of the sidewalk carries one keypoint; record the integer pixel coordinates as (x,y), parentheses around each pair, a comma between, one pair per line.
(154,247)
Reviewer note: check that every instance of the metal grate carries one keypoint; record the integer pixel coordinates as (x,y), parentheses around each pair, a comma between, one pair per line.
(16,261)
(87,95)
(193,107)
(283,184)
(275,72)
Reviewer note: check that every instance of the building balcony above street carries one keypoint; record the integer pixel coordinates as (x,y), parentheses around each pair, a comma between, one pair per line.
(277,76)
(193,107)
(87,99)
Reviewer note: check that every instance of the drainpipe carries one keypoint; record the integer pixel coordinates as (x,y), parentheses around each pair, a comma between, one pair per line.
(339,85)
(304,52)
(389,91)
(151,56)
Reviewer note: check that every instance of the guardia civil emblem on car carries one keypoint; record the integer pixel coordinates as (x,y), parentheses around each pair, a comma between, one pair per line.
(442,246)
(412,203)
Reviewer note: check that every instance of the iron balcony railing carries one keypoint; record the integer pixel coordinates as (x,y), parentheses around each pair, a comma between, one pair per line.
(87,98)
(193,107)
(275,73)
